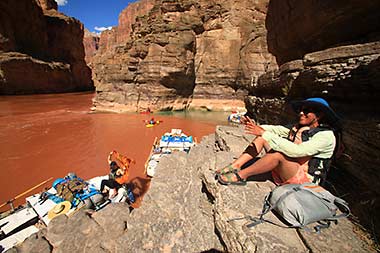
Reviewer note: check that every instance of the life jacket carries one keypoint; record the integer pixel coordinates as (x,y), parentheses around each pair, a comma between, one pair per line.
(122,162)
(315,167)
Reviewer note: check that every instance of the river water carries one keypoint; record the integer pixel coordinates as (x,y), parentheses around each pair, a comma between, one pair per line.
(43,136)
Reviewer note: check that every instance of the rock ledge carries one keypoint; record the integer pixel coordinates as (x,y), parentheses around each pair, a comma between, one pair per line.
(186,210)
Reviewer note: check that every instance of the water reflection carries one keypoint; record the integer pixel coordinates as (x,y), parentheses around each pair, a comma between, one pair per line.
(219,118)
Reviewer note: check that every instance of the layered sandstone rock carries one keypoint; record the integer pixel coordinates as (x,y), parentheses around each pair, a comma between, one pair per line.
(122,33)
(182,54)
(21,73)
(186,210)
(331,50)
(17,32)
(296,28)
(48,4)
(41,50)
(91,45)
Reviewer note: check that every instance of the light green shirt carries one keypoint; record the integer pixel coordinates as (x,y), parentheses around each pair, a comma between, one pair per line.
(320,145)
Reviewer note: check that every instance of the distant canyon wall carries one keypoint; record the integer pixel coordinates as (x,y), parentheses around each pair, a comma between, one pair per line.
(41,50)
(91,45)
(174,55)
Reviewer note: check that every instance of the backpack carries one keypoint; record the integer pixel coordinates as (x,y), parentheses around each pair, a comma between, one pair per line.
(68,189)
(321,176)
(299,205)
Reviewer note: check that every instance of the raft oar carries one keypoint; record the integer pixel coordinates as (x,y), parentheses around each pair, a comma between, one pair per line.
(25,192)
(150,153)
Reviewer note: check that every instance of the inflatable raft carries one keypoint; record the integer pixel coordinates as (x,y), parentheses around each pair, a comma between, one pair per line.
(175,141)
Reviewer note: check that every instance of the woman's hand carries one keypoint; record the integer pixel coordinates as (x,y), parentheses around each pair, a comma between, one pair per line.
(244,120)
(251,127)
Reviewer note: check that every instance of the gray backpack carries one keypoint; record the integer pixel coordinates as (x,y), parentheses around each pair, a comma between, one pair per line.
(300,205)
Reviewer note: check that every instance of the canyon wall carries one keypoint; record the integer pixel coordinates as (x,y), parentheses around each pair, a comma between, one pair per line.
(330,49)
(182,55)
(91,45)
(41,50)
(213,55)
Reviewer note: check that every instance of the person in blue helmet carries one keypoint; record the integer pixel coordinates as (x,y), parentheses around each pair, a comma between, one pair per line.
(294,155)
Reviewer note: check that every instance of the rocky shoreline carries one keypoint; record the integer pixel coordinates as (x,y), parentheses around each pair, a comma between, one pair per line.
(186,210)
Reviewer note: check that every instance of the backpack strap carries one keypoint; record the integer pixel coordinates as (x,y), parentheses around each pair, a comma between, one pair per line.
(343,207)
(267,207)
(340,203)
(321,225)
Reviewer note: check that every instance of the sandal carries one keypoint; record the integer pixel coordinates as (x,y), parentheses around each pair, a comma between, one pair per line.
(230,179)
(226,170)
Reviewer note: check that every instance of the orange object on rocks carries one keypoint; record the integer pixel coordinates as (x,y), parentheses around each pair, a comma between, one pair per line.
(123,163)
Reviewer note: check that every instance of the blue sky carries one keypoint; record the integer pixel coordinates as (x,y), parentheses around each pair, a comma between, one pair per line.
(96,15)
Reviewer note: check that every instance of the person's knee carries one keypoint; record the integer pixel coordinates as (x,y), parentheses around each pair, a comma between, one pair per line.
(259,140)
(260,143)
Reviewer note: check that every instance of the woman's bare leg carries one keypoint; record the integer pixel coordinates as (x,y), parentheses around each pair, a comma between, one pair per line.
(259,143)
(284,166)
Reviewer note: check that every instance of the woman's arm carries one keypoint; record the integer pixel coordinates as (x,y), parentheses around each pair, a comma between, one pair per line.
(321,144)
(252,128)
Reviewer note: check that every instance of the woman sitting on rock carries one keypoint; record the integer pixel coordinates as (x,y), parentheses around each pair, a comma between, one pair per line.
(295,155)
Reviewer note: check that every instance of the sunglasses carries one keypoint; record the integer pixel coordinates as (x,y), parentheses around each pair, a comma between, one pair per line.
(306,110)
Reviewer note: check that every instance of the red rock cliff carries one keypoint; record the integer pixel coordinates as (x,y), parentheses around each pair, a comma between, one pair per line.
(48,4)
(121,33)
(41,49)
(91,45)
(182,54)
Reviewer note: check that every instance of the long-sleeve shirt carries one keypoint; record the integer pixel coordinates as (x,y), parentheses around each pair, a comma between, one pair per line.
(320,145)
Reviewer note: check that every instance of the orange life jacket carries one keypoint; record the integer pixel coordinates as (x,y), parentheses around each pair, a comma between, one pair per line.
(123,162)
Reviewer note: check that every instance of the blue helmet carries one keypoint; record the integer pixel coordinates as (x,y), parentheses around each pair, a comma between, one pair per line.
(58,181)
(332,118)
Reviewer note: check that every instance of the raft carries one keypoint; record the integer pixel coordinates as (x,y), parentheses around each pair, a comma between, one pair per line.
(235,117)
(153,124)
(18,224)
(175,141)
